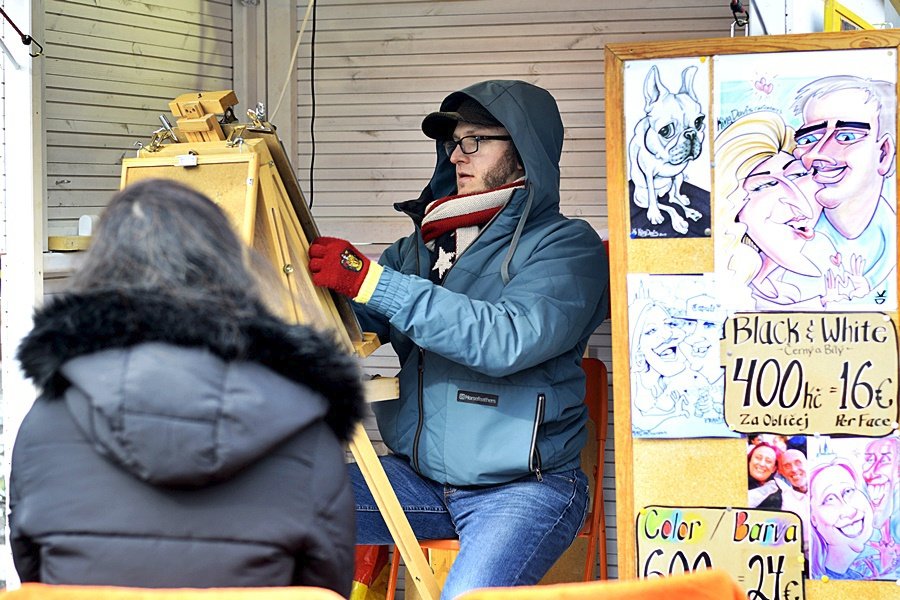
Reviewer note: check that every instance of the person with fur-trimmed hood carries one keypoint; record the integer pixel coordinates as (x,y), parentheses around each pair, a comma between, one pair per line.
(184,436)
(489,303)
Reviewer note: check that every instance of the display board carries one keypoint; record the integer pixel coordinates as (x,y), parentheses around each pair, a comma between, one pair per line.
(753,243)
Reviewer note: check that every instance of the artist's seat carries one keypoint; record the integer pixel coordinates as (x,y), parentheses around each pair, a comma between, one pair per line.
(596,398)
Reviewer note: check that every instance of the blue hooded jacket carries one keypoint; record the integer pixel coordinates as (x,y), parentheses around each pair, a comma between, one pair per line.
(491,387)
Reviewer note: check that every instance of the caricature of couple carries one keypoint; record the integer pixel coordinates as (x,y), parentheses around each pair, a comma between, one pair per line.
(804,221)
(674,373)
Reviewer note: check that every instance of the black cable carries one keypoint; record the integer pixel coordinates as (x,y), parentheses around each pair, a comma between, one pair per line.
(759,18)
(312,96)
(26,39)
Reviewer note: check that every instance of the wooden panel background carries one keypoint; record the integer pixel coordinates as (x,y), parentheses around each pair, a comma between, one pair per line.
(111,67)
(656,471)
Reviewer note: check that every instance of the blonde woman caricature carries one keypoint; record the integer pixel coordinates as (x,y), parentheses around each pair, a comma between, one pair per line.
(657,365)
(766,212)
(842,522)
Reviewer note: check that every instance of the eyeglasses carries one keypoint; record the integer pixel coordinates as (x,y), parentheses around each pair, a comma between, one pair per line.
(469,144)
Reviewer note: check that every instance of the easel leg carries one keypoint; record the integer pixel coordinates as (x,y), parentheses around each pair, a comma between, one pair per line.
(404,538)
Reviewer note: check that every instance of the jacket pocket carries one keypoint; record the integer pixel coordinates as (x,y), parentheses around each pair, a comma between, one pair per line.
(492,431)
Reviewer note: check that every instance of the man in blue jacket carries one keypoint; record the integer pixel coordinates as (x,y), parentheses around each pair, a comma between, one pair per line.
(489,305)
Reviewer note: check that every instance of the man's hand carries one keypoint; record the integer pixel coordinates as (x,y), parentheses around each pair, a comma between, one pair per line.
(338,265)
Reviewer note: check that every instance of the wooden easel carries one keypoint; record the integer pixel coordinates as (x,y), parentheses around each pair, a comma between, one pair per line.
(246,171)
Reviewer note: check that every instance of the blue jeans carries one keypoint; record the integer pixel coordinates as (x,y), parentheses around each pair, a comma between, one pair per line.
(509,534)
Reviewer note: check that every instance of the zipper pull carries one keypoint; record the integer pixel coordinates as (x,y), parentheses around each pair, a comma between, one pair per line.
(540,477)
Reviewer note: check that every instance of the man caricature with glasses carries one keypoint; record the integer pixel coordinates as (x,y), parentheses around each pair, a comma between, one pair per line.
(847,143)
(489,305)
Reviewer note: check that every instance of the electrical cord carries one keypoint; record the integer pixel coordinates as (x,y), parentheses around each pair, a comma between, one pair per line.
(312,102)
(310,10)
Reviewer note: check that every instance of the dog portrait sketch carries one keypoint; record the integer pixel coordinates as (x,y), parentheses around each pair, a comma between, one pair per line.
(667,138)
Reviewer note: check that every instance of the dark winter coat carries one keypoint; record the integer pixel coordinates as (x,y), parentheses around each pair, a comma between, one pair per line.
(177,447)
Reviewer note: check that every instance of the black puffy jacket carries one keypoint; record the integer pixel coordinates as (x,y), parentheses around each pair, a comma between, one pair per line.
(172,447)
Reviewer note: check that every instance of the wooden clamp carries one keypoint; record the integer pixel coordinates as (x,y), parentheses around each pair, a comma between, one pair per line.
(197,112)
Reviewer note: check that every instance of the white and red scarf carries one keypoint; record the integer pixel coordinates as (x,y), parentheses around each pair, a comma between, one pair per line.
(452,223)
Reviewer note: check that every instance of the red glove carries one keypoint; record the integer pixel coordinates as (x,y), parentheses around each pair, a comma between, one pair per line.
(338,265)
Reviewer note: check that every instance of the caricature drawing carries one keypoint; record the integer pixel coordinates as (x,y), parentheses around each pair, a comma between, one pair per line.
(656,360)
(666,139)
(856,532)
(881,472)
(766,214)
(702,320)
(841,520)
(846,140)
(677,380)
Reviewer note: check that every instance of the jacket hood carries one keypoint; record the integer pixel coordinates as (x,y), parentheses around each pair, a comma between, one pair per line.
(531,116)
(179,395)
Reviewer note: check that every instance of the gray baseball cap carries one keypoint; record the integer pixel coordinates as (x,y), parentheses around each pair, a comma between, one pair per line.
(440,125)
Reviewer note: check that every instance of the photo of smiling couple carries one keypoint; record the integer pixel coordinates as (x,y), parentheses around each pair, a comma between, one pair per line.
(804,194)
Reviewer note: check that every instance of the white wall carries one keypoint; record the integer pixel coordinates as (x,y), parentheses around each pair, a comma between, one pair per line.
(774,17)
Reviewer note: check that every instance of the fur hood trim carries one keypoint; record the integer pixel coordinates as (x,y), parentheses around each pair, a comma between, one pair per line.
(75,325)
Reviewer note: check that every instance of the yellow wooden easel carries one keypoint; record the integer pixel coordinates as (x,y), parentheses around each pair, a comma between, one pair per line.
(245,170)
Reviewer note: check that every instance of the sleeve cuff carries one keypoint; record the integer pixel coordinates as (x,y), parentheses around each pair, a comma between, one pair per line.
(369,283)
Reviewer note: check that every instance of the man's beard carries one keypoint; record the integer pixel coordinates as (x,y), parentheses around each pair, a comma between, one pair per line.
(503,173)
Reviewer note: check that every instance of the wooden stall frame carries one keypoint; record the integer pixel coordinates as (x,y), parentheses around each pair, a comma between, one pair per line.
(249,184)
(629,255)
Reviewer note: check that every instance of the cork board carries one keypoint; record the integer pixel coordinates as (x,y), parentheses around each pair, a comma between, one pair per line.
(685,236)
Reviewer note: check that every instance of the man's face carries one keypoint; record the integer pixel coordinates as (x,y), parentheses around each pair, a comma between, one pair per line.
(493,165)
(880,471)
(792,466)
(840,143)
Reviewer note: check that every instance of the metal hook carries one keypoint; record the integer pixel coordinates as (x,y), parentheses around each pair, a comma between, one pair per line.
(741,17)
(28,41)
(168,127)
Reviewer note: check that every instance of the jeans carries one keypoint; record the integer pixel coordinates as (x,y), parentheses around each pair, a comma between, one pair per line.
(510,534)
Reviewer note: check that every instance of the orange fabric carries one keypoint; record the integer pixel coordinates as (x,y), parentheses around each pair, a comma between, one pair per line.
(40,591)
(713,584)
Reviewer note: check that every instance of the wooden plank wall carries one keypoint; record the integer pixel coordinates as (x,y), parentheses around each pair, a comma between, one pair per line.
(381,66)
(112,66)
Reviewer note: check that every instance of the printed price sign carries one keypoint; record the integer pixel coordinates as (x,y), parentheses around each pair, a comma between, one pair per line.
(808,373)
(761,549)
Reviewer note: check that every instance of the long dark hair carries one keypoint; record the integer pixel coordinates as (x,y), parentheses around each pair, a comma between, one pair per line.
(161,236)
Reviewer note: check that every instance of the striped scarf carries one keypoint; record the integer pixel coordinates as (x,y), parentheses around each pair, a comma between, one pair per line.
(452,223)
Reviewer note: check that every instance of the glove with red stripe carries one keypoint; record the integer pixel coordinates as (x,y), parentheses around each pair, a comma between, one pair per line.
(338,265)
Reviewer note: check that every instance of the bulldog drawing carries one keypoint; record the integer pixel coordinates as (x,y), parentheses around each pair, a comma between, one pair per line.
(666,139)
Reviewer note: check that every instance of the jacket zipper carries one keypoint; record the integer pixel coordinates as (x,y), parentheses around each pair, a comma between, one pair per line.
(420,386)
(421,422)
(534,458)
